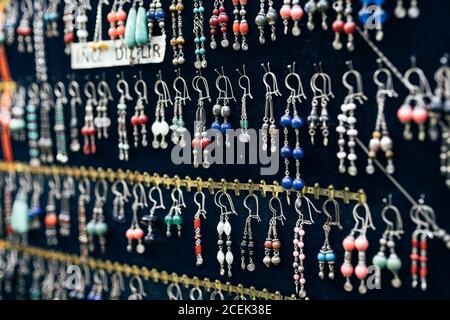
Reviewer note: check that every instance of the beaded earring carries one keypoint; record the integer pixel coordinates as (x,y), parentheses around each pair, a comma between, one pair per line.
(17,124)
(269,128)
(326,254)
(82,20)
(340,26)
(156,16)
(120,199)
(32,124)
(70,7)
(151,219)
(116,18)
(175,217)
(101,121)
(296,122)
(373,16)
(11,19)
(362,224)
(38,272)
(60,128)
(99,287)
(201,211)
(24,29)
(413,11)
(292,9)
(19,210)
(224,229)
(270,18)
(51,17)
(140,120)
(45,137)
(219,21)
(39,41)
(97,225)
(322,95)
(36,210)
(311,7)
(247,243)
(393,262)
(414,109)
(298,242)
(9,188)
(160,127)
(240,27)
(244,84)
(177,42)
(201,140)
(67,193)
(75,101)
(136,29)
(124,147)
(135,232)
(199,35)
(347,121)
(136,294)
(84,187)
(117,286)
(272,244)
(51,219)
(88,131)
(178,126)
(380,136)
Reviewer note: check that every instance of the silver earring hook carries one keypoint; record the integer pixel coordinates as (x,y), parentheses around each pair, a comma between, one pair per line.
(60,91)
(125,192)
(366,221)
(252,214)
(142,91)
(281,217)
(104,90)
(84,186)
(141,198)
(55,186)
(337,217)
(230,202)
(156,203)
(182,94)
(354,92)
(33,91)
(101,279)
(423,87)
(228,87)
(200,204)
(74,89)
(298,205)
(271,88)
(163,92)
(177,295)
(101,189)
(122,87)
(140,283)
(218,203)
(296,93)
(397,227)
(244,82)
(384,87)
(196,86)
(117,276)
(90,91)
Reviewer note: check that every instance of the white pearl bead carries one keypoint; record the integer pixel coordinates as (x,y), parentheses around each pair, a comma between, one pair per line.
(351,120)
(344,108)
(340,129)
(351,106)
(352,157)
(352,132)
(386,143)
(374,144)
(341,155)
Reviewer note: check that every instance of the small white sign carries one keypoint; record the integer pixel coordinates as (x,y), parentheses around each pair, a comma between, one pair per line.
(83,56)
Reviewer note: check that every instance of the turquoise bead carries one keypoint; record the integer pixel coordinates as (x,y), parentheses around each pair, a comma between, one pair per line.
(34,153)
(31,117)
(141,34)
(202,51)
(168,220)
(122,106)
(31,108)
(379,260)
(202,39)
(330,256)
(130,28)
(321,257)
(101,228)
(90,228)
(201,9)
(177,220)
(16,125)
(394,263)
(33,135)
(19,214)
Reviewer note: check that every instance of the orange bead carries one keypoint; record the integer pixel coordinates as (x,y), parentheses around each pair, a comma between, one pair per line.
(243,27)
(51,220)
(276,244)
(268,244)
(120,30)
(112,32)
(236,27)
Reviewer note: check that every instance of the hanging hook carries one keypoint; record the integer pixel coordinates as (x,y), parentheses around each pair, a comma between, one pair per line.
(196,86)
(280,216)
(141,199)
(271,88)
(244,82)
(155,204)
(357,94)
(298,205)
(366,222)
(252,214)
(122,87)
(397,227)
(90,91)
(298,92)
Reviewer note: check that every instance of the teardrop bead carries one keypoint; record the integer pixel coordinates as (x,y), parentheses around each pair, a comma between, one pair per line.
(220,257)
(220,227)
(227,228)
(19,215)
(130,29)
(141,34)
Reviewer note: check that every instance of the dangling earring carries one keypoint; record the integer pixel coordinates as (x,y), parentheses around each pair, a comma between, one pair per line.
(156,15)
(32,124)
(135,232)
(51,18)
(36,209)
(291,9)
(368,16)
(272,244)
(160,127)
(247,243)
(140,119)
(175,217)
(150,219)
(224,228)
(361,244)
(67,193)
(197,226)
(19,210)
(121,198)
(84,186)
(177,42)
(270,17)
(269,129)
(326,254)
(98,44)
(51,219)
(223,24)
(70,8)
(347,121)
(24,30)
(137,294)
(97,226)
(102,122)
(88,131)
(117,286)
(244,137)
(393,262)
(136,29)
(199,36)
(413,11)
(124,147)
(296,122)
(75,101)
(177,127)
(100,285)
(116,18)
(201,140)
(240,27)
(339,26)
(60,128)
(380,136)
(17,124)
(45,138)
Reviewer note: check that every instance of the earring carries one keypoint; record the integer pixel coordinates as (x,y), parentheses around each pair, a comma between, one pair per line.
(67,193)
(326,254)
(150,219)
(88,131)
(224,228)
(51,18)
(116,18)
(39,42)
(137,294)
(380,136)
(244,137)
(272,244)
(121,198)
(247,243)
(75,101)
(368,16)
(311,7)
(102,122)
(38,272)
(60,128)
(298,242)
(135,232)
(197,226)
(124,147)
(174,217)
(84,187)
(291,9)
(269,129)
(51,219)
(160,127)
(11,19)
(32,124)
(24,29)
(177,42)
(156,16)
(347,121)
(240,27)
(117,286)
(339,26)
(296,122)
(136,29)
(393,262)
(97,226)
(17,123)
(70,8)
(270,17)
(100,285)
(361,244)
(201,140)
(178,126)
(413,11)
(220,19)
(19,210)
(199,36)
(140,119)
(36,209)
(45,138)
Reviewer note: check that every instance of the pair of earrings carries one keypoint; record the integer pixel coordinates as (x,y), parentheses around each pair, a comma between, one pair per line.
(263,18)
(177,42)
(24,30)
(51,218)
(67,192)
(244,84)
(413,11)
(291,9)
(321,7)
(136,29)
(225,258)
(97,225)
(380,136)
(199,35)
(387,241)
(175,215)
(247,243)
(101,120)
(160,127)
(45,138)
(178,125)
(199,199)
(156,16)
(32,124)
(60,128)
(240,25)
(70,9)
(116,18)
(84,197)
(340,26)
(74,101)
(98,44)
(361,244)
(150,219)
(124,147)
(135,232)
(347,121)
(139,120)
(322,95)
(120,199)
(272,244)
(219,21)
(17,124)
(269,129)
(295,122)
(89,131)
